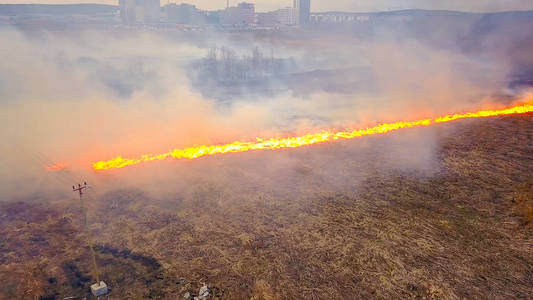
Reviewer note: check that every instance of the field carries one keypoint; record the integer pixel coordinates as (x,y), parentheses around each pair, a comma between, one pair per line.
(386,217)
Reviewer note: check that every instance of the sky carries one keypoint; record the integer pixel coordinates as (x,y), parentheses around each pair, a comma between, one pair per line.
(345,5)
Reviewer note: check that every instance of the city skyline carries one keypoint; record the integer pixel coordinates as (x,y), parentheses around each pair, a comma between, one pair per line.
(335,5)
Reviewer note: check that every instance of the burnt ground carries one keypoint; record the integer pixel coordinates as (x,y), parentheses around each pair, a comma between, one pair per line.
(459,227)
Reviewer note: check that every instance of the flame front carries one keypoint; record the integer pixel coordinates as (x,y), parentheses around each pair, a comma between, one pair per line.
(56,167)
(299,141)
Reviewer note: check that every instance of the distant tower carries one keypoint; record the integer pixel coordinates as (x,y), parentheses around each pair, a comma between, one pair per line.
(303,8)
(227,4)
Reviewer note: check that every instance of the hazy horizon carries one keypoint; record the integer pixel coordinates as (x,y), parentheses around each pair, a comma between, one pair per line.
(342,5)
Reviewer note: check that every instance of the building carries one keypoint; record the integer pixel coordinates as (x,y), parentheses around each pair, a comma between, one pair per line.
(185,14)
(127,11)
(287,16)
(212,17)
(339,18)
(242,15)
(303,8)
(268,19)
(282,17)
(139,11)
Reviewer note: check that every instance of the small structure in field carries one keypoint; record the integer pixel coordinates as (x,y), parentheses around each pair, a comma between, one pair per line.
(99,289)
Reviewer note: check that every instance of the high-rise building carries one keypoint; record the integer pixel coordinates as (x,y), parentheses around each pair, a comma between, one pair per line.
(247,12)
(303,8)
(127,11)
(139,11)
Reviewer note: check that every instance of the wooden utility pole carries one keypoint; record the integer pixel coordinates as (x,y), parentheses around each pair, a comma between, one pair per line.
(80,189)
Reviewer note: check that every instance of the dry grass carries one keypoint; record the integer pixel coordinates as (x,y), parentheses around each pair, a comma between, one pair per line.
(461,229)
(524,202)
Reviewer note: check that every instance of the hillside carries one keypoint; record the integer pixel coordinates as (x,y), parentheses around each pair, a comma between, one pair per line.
(56,9)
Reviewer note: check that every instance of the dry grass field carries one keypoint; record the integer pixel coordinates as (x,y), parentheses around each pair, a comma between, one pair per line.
(352,220)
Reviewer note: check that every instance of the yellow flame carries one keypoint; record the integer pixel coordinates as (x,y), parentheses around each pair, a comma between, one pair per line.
(299,141)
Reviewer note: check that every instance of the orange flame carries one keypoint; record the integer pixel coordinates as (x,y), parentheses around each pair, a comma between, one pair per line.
(299,141)
(56,167)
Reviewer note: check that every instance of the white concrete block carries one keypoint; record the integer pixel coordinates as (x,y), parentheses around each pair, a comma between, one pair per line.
(99,289)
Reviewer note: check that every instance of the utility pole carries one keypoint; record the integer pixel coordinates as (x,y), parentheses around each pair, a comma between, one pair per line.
(99,288)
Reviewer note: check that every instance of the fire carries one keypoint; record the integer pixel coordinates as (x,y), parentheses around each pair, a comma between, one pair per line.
(56,167)
(299,141)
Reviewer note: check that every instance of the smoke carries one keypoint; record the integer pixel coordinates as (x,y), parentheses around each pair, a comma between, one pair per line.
(82,96)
